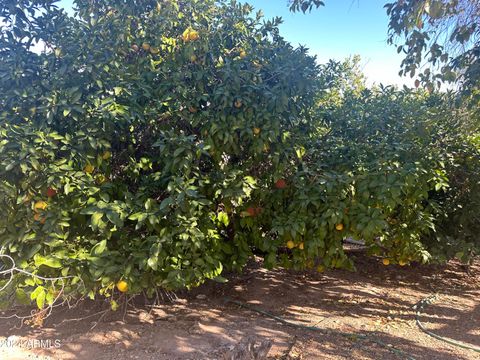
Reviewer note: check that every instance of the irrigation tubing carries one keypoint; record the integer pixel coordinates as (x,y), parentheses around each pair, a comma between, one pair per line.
(419,307)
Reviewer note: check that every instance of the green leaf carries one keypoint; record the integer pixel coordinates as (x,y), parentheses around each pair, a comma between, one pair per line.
(99,248)
(96,219)
(47,261)
(153,262)
(22,296)
(223,218)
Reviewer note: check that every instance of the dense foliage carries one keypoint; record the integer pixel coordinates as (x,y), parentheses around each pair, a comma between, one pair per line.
(155,144)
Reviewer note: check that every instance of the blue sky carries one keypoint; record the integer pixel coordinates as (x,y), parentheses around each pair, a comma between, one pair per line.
(340,29)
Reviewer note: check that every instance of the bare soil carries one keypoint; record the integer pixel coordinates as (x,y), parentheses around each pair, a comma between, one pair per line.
(376,301)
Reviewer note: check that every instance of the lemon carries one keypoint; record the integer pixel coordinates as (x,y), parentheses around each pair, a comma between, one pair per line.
(386,262)
(122,286)
(339,227)
(290,244)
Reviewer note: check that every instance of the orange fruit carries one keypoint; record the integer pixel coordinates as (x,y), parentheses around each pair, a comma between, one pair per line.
(290,244)
(122,286)
(280,184)
(386,262)
(251,211)
(51,192)
(339,227)
(146,46)
(194,35)
(38,217)
(190,35)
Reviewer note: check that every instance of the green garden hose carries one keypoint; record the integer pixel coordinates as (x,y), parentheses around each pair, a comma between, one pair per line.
(351,336)
(427,301)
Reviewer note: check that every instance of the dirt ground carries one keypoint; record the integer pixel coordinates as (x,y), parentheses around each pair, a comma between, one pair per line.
(376,301)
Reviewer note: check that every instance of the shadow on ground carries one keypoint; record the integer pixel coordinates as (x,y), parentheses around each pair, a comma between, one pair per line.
(376,301)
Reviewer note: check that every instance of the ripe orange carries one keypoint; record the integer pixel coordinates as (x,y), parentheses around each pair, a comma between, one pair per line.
(38,217)
(51,192)
(290,244)
(190,35)
(194,35)
(280,184)
(339,227)
(386,262)
(251,211)
(122,286)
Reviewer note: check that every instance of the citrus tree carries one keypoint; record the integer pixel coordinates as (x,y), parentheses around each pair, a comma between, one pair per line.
(133,144)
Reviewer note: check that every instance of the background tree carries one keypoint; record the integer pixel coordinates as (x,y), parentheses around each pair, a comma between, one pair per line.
(439,38)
